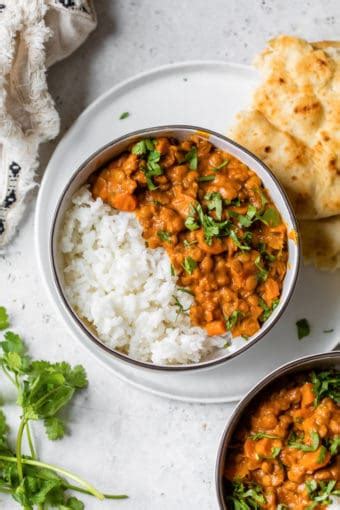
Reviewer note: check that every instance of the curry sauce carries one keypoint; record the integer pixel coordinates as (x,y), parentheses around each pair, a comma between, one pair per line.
(225,238)
(286,455)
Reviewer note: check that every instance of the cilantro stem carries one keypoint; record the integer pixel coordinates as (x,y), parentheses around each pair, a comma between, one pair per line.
(91,490)
(9,377)
(18,448)
(30,442)
(84,491)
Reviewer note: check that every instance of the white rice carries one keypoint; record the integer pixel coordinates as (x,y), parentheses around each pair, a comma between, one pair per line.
(124,289)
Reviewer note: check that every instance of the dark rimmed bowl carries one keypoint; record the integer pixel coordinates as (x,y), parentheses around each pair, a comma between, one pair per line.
(315,362)
(116,147)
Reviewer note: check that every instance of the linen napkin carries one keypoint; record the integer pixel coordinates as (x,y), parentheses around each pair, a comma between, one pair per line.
(34,34)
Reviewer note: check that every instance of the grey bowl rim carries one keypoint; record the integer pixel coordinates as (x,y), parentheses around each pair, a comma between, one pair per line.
(291,367)
(123,357)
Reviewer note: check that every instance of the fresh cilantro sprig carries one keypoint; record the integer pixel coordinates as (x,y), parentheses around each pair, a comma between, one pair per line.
(44,389)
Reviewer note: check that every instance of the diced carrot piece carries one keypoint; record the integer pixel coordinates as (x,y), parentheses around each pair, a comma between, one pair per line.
(214,328)
(123,202)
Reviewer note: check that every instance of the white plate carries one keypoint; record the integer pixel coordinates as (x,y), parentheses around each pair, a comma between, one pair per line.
(206,94)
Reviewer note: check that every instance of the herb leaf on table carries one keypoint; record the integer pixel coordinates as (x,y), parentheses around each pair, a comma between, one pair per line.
(43,389)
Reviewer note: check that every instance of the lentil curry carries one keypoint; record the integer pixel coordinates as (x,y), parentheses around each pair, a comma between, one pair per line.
(287,454)
(225,238)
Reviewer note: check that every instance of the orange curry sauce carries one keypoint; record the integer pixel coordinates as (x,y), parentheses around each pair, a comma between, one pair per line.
(225,238)
(287,449)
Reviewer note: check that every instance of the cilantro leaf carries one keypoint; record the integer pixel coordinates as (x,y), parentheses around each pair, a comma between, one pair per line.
(192,158)
(206,178)
(124,115)
(215,203)
(237,242)
(55,428)
(142,147)
(303,328)
(262,272)
(334,445)
(242,496)
(294,442)
(262,435)
(222,165)
(326,384)
(320,492)
(4,319)
(12,343)
(270,217)
(189,265)
(267,310)
(232,319)
(190,222)
(164,236)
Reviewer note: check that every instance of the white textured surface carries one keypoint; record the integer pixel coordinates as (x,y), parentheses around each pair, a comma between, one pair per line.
(161,453)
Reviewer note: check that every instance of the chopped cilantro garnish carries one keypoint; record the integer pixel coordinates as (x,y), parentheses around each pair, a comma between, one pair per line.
(270,217)
(334,445)
(267,310)
(189,265)
(237,242)
(206,178)
(303,328)
(214,202)
(164,236)
(222,165)
(320,492)
(180,307)
(295,442)
(143,146)
(211,227)
(322,455)
(191,222)
(262,435)
(192,158)
(232,319)
(262,273)
(124,115)
(326,384)
(265,254)
(247,219)
(187,291)
(241,496)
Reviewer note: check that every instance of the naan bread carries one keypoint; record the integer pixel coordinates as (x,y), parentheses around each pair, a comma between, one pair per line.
(294,127)
(321,242)
(300,97)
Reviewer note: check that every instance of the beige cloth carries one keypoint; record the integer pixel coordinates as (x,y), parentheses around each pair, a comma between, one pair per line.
(34,34)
